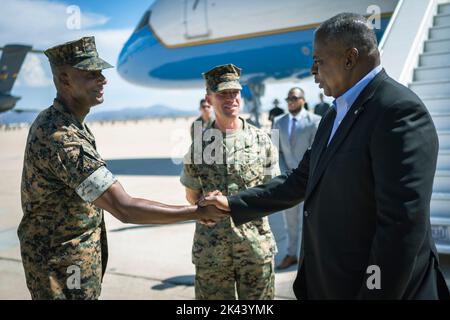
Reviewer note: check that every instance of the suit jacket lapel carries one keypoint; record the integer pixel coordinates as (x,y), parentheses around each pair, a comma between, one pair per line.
(298,129)
(322,142)
(344,128)
(301,123)
(284,131)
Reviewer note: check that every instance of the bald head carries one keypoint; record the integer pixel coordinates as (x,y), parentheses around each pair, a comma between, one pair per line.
(297,90)
(344,51)
(350,30)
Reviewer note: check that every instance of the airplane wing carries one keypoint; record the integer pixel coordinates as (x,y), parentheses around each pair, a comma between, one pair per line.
(26,110)
(10,64)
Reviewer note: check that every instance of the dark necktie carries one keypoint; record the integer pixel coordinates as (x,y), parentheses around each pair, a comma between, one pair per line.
(292,135)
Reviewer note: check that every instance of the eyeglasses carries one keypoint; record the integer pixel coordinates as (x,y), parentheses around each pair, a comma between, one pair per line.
(293,99)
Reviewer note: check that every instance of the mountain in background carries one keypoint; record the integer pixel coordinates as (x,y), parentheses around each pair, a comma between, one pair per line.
(155,111)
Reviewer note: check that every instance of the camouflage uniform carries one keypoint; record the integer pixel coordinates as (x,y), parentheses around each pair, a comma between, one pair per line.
(201,123)
(226,255)
(62,234)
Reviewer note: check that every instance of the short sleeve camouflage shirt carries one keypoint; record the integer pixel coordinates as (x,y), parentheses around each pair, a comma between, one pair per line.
(231,163)
(61,228)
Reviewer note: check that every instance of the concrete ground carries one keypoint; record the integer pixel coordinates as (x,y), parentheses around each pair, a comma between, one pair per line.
(145,262)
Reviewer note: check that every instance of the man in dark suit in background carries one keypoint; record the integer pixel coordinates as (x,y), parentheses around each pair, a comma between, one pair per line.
(366,181)
(322,107)
(275,111)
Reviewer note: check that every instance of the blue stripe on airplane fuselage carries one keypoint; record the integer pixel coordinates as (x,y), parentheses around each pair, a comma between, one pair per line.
(145,61)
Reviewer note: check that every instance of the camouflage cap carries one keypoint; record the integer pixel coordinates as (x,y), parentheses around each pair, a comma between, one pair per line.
(223,77)
(81,54)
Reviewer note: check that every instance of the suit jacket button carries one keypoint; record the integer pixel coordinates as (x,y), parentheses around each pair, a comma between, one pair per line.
(306,213)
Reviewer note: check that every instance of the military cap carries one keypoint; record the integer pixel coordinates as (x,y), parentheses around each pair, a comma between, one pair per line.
(223,77)
(81,54)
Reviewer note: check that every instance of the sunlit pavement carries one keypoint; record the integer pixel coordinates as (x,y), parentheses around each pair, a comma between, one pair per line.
(145,262)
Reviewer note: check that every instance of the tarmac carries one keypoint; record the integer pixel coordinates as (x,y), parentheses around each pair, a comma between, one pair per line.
(145,262)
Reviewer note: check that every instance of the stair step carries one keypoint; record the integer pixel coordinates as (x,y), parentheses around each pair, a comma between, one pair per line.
(442,32)
(441,196)
(443,160)
(432,73)
(441,20)
(444,8)
(440,205)
(441,121)
(440,221)
(442,182)
(437,104)
(430,88)
(434,59)
(437,45)
(444,140)
(440,231)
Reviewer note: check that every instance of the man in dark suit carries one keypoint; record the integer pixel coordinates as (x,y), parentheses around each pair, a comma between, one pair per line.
(322,107)
(275,111)
(366,181)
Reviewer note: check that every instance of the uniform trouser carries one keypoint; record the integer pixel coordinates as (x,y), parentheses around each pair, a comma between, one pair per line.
(61,279)
(55,284)
(250,282)
(293,219)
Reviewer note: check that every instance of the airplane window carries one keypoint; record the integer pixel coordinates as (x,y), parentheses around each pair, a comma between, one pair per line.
(144,21)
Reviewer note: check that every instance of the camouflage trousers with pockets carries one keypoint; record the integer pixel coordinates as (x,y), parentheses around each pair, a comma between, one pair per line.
(249,282)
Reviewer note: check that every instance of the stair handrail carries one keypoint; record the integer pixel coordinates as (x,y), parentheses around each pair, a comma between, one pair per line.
(403,40)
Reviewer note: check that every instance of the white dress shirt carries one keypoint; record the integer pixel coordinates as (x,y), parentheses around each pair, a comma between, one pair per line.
(343,103)
(303,113)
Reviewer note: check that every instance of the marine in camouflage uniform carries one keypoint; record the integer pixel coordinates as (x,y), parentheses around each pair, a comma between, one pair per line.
(62,234)
(230,258)
(65,180)
(205,112)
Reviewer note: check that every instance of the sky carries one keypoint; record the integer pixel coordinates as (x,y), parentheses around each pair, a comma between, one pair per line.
(45,23)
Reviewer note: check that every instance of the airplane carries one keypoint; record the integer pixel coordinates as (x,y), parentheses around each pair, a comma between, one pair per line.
(10,64)
(177,40)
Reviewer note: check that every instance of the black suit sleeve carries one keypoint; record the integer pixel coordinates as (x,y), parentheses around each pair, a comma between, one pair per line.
(282,192)
(404,149)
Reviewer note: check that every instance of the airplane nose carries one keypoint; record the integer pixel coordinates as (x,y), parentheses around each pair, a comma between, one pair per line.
(131,58)
(146,61)
(124,62)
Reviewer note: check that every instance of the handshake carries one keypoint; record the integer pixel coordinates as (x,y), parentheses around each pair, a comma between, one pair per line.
(212,208)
